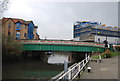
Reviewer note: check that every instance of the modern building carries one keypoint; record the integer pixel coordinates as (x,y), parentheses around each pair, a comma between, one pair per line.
(19,28)
(95,32)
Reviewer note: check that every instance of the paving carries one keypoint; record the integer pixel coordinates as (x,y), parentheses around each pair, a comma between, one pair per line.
(107,69)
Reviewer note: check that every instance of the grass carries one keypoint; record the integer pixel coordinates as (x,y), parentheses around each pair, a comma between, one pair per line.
(112,55)
(94,57)
(115,53)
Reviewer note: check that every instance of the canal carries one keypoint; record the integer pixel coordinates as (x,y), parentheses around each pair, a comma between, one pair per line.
(49,66)
(39,65)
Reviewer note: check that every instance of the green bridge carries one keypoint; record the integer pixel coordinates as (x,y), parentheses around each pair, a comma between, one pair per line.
(60,45)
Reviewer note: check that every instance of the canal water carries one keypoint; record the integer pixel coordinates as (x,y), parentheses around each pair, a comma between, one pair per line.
(36,69)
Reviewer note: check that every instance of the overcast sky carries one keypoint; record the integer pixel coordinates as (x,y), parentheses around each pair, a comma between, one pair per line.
(55,19)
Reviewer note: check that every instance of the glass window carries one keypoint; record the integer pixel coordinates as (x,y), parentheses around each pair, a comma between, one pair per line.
(9,25)
(24,34)
(18,26)
(8,33)
(18,35)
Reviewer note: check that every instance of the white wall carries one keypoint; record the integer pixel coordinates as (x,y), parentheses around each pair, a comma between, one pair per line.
(76,39)
(59,57)
(111,40)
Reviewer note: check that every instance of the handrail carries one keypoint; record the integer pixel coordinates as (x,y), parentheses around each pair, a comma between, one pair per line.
(61,73)
(74,70)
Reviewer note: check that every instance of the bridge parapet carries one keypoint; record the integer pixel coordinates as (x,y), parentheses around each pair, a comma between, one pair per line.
(56,42)
(55,45)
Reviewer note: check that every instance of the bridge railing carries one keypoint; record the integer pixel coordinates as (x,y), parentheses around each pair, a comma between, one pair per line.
(74,71)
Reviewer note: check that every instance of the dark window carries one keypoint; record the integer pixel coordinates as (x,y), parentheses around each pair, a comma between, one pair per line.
(9,25)
(8,33)
(24,34)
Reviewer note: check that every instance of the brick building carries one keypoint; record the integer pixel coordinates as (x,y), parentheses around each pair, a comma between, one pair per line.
(19,29)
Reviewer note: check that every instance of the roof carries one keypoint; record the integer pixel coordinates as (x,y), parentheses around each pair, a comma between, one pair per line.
(15,20)
(5,19)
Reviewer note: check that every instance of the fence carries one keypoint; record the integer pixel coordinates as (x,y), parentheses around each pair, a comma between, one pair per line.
(73,71)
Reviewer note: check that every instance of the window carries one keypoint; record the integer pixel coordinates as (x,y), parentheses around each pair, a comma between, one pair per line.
(24,34)
(30,31)
(18,26)
(18,35)
(8,33)
(9,26)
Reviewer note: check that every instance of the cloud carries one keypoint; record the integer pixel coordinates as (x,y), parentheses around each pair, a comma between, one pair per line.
(55,19)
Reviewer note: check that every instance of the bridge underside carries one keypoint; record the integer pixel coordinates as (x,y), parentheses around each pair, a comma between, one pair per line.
(72,48)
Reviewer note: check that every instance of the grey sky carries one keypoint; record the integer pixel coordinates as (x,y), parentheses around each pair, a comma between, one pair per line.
(55,19)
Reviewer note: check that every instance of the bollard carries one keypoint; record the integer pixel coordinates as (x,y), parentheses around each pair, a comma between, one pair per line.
(99,58)
(89,69)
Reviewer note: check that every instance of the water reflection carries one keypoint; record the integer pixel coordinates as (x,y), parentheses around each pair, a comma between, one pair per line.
(30,69)
(36,69)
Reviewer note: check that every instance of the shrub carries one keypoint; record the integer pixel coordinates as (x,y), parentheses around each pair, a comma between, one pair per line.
(106,54)
(10,47)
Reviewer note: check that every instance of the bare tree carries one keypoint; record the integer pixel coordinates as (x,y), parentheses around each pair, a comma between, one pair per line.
(3,7)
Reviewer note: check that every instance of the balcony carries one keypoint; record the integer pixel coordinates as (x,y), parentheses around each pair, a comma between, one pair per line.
(18,29)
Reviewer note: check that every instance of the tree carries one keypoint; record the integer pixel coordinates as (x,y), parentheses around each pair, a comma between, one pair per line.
(3,7)
(11,47)
(107,53)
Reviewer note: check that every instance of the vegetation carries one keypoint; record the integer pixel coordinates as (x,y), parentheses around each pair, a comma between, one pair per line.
(107,52)
(117,48)
(95,57)
(115,53)
(10,48)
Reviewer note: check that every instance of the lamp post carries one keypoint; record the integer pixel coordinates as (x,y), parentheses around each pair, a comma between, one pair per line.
(96,34)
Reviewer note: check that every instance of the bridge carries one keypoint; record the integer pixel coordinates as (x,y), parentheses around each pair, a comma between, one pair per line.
(86,48)
(61,45)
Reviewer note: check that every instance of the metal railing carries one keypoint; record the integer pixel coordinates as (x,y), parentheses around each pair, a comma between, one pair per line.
(73,71)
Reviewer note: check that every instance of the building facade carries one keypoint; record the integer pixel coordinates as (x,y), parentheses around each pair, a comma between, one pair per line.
(95,32)
(19,29)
